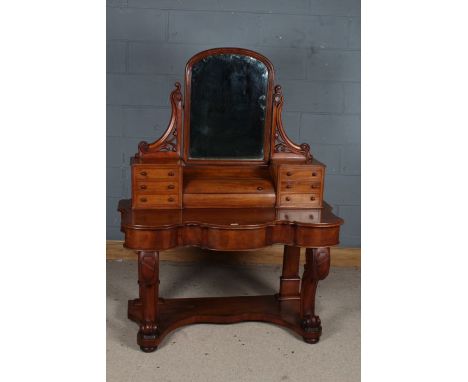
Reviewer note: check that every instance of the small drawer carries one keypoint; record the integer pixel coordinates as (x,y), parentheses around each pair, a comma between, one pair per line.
(311,216)
(301,187)
(142,201)
(306,200)
(157,187)
(142,173)
(300,173)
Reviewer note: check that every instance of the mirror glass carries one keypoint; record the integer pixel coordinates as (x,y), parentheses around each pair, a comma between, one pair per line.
(227,108)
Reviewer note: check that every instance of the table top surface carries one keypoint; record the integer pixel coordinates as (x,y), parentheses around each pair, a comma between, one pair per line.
(225,217)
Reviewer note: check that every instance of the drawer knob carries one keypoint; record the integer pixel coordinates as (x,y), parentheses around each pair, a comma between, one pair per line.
(286,217)
(170,173)
(289,173)
(171,187)
(143,200)
(288,186)
(171,199)
(314,174)
(259,188)
(314,186)
(312,198)
(311,217)
(143,187)
(288,198)
(143,173)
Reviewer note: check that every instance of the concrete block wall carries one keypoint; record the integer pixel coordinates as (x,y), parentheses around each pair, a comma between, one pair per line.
(313,44)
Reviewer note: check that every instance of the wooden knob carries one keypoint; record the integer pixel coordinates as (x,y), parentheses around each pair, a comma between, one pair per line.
(314,186)
(289,173)
(170,173)
(143,200)
(288,186)
(143,187)
(312,198)
(286,217)
(259,188)
(311,217)
(170,199)
(288,198)
(171,187)
(314,174)
(143,173)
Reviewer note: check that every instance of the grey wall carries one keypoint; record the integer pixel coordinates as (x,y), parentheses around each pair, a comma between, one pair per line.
(313,44)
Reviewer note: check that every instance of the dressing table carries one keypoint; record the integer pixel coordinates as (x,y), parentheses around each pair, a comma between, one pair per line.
(225,177)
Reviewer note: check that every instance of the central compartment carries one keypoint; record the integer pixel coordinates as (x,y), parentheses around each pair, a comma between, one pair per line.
(227,187)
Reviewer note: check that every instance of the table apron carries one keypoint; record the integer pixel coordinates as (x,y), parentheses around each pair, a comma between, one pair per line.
(235,239)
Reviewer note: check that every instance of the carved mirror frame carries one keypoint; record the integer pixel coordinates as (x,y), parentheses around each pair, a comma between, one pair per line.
(268,102)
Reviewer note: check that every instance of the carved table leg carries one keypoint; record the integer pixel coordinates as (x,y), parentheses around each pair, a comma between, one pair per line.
(290,280)
(148,281)
(316,268)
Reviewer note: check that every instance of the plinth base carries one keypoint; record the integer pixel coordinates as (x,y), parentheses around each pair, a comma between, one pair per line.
(174,313)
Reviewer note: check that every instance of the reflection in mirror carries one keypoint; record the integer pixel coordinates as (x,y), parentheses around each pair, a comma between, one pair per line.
(227,107)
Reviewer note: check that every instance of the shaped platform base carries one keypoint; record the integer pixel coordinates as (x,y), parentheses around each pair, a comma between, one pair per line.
(174,313)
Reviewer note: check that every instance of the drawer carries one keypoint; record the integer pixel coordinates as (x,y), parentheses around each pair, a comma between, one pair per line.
(301,187)
(300,173)
(229,200)
(142,201)
(306,200)
(228,186)
(311,216)
(153,173)
(162,187)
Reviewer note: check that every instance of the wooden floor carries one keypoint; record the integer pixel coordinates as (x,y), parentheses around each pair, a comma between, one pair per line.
(340,257)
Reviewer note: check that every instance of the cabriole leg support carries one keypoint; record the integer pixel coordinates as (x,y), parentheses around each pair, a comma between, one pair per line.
(316,268)
(148,281)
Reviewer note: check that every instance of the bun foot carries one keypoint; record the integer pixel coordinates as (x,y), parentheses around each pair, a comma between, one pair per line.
(148,341)
(311,340)
(148,349)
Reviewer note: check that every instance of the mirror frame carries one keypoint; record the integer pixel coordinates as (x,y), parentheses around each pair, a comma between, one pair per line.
(268,102)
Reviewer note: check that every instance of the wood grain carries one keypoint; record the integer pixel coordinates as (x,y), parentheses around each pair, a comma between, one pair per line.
(340,257)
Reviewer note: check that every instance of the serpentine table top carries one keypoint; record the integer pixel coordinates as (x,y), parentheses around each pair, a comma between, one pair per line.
(228,228)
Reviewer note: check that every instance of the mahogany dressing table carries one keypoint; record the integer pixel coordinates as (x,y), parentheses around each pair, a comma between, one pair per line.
(225,176)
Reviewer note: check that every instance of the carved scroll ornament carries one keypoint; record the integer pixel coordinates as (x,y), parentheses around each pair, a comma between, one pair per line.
(169,145)
(280,142)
